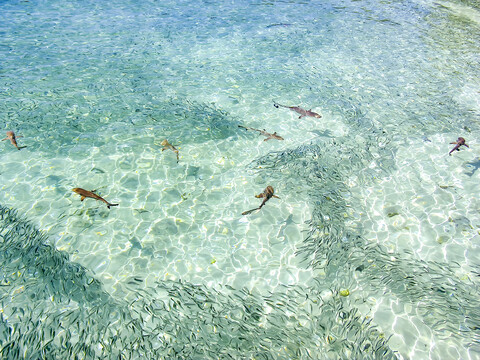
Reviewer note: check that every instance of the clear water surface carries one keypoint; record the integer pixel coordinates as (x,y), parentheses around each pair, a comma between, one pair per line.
(371,250)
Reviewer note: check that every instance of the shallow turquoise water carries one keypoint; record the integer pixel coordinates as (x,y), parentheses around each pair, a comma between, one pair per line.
(370,201)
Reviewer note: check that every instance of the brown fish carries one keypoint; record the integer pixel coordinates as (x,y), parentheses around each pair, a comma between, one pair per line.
(166,145)
(460,141)
(91,194)
(299,110)
(13,139)
(264,133)
(266,195)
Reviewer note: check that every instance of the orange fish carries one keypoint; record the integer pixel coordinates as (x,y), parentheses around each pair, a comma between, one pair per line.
(91,194)
(13,139)
(166,145)
(266,195)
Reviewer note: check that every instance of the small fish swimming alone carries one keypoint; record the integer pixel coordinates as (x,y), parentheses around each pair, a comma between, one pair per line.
(264,133)
(299,110)
(91,194)
(13,139)
(277,24)
(460,141)
(266,195)
(166,145)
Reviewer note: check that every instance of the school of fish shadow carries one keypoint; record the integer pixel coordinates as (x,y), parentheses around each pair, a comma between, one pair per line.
(266,195)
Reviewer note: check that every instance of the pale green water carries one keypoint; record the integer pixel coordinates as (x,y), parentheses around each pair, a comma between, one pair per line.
(370,201)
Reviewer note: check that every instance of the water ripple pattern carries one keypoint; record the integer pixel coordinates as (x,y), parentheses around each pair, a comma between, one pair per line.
(370,250)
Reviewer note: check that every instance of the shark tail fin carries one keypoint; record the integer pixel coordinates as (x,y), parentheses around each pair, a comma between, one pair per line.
(108,206)
(250,211)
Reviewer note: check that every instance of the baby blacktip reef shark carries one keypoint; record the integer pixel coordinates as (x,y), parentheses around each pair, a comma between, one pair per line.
(264,133)
(460,141)
(266,195)
(299,110)
(166,145)
(13,139)
(91,194)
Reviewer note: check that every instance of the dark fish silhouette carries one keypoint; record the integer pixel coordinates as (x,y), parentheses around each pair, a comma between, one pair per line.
(13,139)
(475,165)
(264,133)
(277,24)
(91,194)
(460,141)
(266,195)
(166,145)
(299,110)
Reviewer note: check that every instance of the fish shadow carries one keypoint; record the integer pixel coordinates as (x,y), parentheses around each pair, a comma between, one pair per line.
(325,133)
(473,166)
